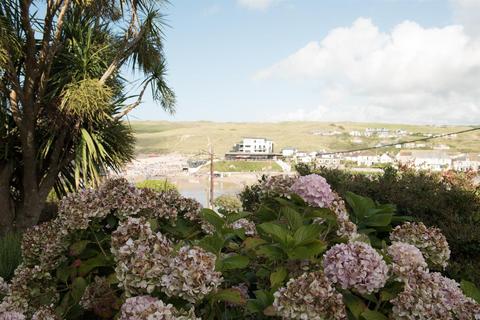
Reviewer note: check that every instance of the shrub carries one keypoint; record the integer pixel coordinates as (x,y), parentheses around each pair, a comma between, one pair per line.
(10,254)
(448,201)
(125,253)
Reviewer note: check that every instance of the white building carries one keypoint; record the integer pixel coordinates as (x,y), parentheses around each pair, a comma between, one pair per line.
(254,145)
(288,152)
(466,162)
(436,160)
(355,133)
(386,158)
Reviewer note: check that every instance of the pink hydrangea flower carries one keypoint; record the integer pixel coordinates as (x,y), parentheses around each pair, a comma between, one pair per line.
(315,190)
(356,266)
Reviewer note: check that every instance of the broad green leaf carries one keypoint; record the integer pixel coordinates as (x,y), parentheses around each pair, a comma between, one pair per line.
(78,287)
(271,251)
(307,234)
(236,216)
(90,264)
(277,277)
(379,220)
(470,290)
(307,251)
(234,262)
(212,243)
(229,295)
(213,218)
(252,243)
(373,315)
(354,304)
(295,220)
(277,232)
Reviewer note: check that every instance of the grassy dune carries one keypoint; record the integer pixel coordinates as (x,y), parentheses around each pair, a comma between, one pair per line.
(193,137)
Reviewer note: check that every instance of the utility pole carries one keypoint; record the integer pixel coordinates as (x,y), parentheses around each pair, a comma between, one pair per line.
(211,154)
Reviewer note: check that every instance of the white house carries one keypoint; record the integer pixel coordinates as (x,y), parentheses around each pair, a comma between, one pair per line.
(436,160)
(355,133)
(386,158)
(254,145)
(288,152)
(466,162)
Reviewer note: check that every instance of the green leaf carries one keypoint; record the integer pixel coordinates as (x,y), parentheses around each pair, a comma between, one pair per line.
(252,243)
(236,216)
(379,220)
(78,247)
(354,304)
(373,315)
(295,220)
(229,295)
(307,251)
(78,287)
(307,234)
(90,264)
(470,290)
(277,232)
(212,243)
(234,262)
(271,251)
(277,277)
(213,218)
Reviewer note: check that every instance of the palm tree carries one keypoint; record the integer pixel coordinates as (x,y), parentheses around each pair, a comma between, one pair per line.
(63,96)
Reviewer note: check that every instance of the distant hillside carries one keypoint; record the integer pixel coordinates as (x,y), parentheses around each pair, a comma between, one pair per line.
(193,137)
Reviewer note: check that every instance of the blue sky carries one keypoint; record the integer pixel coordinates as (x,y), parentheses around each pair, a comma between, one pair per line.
(276,60)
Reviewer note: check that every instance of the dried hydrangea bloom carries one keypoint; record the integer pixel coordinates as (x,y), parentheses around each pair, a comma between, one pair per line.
(12,315)
(76,210)
(314,190)
(45,313)
(355,266)
(406,258)
(277,186)
(309,296)
(247,225)
(141,256)
(148,308)
(4,287)
(191,274)
(431,242)
(346,228)
(99,298)
(158,205)
(30,288)
(44,245)
(432,296)
(121,196)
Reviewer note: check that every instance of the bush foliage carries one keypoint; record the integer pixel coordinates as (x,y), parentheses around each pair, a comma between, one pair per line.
(448,201)
(125,253)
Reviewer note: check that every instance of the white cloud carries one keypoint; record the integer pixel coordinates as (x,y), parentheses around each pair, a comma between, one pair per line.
(256,4)
(410,74)
(467,12)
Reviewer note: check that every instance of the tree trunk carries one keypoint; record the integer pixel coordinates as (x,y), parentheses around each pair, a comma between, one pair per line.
(7,210)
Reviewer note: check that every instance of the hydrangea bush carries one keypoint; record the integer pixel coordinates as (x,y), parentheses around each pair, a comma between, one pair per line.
(119,252)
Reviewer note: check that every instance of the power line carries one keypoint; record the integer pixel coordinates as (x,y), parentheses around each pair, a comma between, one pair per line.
(403,142)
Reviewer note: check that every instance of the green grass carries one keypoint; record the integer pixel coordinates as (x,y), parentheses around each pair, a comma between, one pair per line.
(193,137)
(246,166)
(157,185)
(10,254)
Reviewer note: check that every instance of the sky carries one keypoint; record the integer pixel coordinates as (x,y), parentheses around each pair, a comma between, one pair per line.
(394,61)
